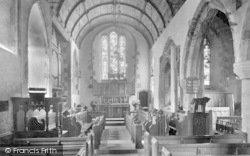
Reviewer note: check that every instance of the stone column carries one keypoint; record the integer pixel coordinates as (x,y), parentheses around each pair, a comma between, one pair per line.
(174,89)
(242,69)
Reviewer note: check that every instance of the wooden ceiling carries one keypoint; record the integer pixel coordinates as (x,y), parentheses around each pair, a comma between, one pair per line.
(149,17)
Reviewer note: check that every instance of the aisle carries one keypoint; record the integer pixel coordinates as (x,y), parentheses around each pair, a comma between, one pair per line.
(116,141)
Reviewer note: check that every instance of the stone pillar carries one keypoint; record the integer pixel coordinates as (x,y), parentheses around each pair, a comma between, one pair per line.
(174,92)
(242,69)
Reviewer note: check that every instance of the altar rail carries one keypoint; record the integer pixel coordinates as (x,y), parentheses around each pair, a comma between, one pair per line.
(229,124)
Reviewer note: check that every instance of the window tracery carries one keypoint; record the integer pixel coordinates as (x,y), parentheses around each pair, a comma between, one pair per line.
(113,56)
(206,62)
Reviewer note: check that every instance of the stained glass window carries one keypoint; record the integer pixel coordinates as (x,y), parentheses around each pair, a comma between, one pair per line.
(113,56)
(122,58)
(206,64)
(105,66)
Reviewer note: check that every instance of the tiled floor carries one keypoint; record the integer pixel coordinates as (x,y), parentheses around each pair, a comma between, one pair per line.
(116,141)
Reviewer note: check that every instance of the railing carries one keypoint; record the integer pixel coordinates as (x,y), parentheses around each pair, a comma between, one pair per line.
(234,120)
(228,124)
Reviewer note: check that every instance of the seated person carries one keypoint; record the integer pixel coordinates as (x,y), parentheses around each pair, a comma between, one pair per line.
(75,127)
(33,124)
(78,109)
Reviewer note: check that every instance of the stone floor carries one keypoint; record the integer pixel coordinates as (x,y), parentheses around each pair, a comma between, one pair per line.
(116,141)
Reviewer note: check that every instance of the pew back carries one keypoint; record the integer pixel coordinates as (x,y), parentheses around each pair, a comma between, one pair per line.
(153,144)
(208,149)
(134,127)
(64,145)
(97,128)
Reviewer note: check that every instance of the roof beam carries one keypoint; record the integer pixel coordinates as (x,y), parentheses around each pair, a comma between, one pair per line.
(99,16)
(59,8)
(158,11)
(141,15)
(86,13)
(71,11)
(150,42)
(108,3)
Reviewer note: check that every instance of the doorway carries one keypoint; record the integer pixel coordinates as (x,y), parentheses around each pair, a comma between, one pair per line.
(143,97)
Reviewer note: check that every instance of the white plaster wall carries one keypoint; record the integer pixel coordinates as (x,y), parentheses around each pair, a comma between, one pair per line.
(10,81)
(142,70)
(75,98)
(177,30)
(38,61)
(86,93)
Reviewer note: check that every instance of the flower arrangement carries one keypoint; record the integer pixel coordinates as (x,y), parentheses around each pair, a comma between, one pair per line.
(135,103)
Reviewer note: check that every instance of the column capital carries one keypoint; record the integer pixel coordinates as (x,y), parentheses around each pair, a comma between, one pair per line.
(242,69)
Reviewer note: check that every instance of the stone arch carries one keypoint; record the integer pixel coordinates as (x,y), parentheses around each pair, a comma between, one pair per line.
(204,11)
(191,58)
(38,56)
(165,76)
(24,13)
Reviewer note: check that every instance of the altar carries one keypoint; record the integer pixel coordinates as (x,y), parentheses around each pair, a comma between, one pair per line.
(113,97)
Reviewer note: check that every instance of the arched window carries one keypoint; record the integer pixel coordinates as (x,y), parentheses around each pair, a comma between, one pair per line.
(206,62)
(113,57)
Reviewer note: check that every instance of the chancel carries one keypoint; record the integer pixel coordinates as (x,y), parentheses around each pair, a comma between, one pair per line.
(133,77)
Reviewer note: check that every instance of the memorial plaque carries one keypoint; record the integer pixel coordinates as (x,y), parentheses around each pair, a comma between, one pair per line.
(192,85)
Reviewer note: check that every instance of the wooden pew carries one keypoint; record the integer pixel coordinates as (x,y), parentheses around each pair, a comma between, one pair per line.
(71,145)
(157,125)
(68,145)
(134,126)
(153,144)
(97,129)
(206,149)
(52,150)
(138,122)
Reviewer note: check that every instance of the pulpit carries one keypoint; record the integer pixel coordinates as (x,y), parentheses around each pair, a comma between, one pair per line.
(201,119)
